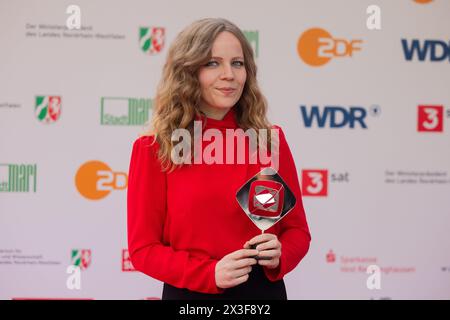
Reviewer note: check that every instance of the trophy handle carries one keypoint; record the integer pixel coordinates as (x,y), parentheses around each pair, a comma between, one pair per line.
(253,246)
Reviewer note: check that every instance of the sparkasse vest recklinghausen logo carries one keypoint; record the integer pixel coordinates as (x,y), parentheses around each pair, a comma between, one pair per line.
(151,39)
(331,256)
(48,108)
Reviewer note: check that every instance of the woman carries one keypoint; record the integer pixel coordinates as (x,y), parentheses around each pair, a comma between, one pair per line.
(185,227)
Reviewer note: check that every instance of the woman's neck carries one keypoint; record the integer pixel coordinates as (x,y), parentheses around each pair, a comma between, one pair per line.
(215,113)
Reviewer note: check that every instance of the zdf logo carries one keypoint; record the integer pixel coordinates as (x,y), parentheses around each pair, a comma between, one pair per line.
(95,180)
(430,118)
(315,183)
(316,47)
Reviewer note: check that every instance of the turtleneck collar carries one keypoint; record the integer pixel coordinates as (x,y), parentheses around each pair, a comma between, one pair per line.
(228,121)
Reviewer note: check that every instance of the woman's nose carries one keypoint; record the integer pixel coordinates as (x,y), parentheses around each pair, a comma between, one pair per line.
(227,72)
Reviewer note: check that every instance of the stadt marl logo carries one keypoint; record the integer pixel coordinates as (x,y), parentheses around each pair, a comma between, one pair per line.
(18,177)
(120,111)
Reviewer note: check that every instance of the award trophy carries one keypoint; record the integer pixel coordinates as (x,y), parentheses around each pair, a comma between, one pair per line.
(266,199)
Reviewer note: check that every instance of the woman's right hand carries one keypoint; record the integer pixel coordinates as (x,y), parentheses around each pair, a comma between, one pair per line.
(233,269)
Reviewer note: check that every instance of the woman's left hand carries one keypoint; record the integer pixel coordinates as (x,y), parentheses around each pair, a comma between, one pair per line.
(269,247)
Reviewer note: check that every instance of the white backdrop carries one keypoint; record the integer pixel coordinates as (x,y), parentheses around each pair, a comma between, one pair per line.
(73,101)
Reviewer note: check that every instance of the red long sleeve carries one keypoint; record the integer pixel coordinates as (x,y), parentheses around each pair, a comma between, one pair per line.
(180,224)
(146,219)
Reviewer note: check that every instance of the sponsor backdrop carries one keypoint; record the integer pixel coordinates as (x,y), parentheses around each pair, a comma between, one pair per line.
(365,108)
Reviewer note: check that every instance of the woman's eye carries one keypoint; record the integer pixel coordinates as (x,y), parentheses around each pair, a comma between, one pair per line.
(214,63)
(211,63)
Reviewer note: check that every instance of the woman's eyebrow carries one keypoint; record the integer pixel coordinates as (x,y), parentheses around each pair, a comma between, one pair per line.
(220,58)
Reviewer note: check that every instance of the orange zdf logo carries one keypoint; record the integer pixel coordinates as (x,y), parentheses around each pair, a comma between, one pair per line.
(316,47)
(95,180)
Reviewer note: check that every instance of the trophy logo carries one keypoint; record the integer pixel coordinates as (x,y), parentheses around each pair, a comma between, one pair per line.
(266,198)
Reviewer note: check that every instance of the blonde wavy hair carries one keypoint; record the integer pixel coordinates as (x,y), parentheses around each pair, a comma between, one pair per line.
(178,94)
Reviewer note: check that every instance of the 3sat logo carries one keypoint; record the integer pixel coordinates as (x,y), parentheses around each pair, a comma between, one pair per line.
(95,180)
(315,182)
(430,118)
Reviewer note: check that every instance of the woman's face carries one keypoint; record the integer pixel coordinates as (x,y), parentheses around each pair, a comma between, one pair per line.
(222,79)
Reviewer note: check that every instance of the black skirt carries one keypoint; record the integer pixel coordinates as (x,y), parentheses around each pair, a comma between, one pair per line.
(257,287)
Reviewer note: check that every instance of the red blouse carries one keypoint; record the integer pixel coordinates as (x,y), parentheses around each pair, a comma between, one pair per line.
(180,224)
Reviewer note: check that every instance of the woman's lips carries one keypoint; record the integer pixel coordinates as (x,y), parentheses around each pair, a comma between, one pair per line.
(227,91)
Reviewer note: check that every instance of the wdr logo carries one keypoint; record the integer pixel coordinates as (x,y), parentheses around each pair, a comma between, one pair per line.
(315,183)
(336,116)
(18,177)
(317,47)
(95,180)
(124,111)
(432,50)
(151,39)
(430,118)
